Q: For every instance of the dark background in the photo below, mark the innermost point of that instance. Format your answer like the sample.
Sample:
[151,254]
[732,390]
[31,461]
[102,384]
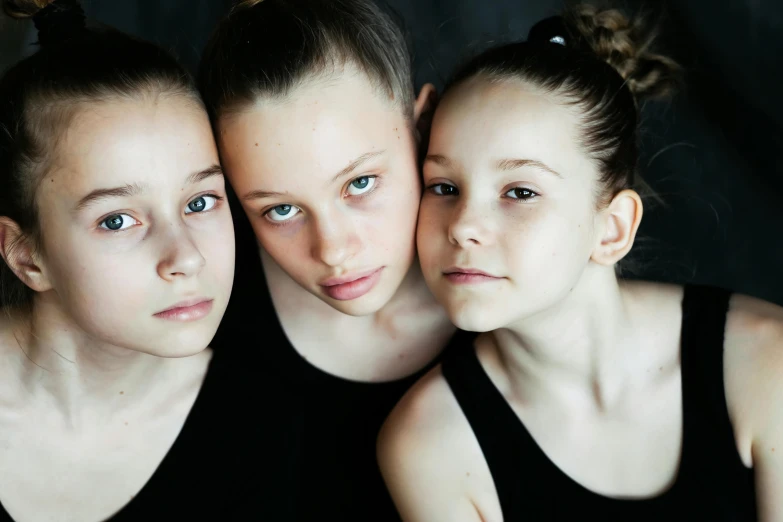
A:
[712,155]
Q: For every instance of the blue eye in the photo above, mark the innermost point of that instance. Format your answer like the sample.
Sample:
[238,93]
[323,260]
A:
[118,222]
[444,189]
[282,212]
[201,204]
[361,185]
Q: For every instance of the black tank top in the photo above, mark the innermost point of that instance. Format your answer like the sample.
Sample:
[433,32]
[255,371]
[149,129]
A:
[712,483]
[328,469]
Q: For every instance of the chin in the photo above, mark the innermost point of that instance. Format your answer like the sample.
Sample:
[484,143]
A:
[185,343]
[472,317]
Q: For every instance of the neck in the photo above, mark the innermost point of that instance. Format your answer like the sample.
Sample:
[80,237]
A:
[406,334]
[79,376]
[584,344]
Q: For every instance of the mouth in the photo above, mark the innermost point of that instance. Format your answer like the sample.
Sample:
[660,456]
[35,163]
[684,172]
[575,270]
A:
[352,286]
[188,310]
[467,276]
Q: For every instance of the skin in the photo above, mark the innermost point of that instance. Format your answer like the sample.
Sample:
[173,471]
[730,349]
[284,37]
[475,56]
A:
[95,387]
[589,365]
[329,179]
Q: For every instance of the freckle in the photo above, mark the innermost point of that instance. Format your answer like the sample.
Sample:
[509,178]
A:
[467,474]
[126,423]
[257,144]
[773,450]
[122,393]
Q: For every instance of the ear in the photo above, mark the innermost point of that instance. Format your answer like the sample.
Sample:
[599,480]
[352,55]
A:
[621,220]
[19,254]
[423,110]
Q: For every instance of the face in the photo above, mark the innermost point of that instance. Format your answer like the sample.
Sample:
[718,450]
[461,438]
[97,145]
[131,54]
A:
[329,180]
[137,238]
[508,219]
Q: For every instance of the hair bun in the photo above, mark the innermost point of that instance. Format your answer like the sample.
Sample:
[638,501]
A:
[624,44]
[56,21]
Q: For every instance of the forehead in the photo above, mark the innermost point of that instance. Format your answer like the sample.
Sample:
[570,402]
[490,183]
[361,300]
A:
[151,141]
[505,119]
[319,127]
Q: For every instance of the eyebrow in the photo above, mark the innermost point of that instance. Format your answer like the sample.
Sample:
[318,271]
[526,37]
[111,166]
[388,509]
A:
[503,165]
[358,162]
[134,189]
[214,170]
[352,166]
[443,161]
[124,191]
[513,164]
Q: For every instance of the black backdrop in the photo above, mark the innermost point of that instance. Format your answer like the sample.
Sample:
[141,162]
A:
[713,155]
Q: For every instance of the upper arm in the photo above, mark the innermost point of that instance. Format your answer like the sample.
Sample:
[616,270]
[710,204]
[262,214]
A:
[754,346]
[419,457]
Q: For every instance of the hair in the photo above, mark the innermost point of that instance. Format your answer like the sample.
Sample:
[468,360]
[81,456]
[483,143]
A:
[74,67]
[268,48]
[604,69]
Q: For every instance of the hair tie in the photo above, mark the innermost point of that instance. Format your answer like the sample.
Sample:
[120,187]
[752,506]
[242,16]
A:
[59,21]
[550,30]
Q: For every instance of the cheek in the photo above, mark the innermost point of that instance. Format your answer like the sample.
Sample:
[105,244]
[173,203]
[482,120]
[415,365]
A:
[431,231]
[215,241]
[101,283]
[553,244]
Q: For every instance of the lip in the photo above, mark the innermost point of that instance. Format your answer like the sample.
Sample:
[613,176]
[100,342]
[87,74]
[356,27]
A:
[351,286]
[188,310]
[463,276]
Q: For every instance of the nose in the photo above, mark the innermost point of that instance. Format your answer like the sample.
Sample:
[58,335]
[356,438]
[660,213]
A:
[468,226]
[181,257]
[337,239]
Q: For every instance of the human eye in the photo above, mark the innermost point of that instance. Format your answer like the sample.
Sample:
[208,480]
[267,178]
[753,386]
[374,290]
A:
[282,213]
[361,185]
[521,194]
[443,189]
[116,222]
[202,203]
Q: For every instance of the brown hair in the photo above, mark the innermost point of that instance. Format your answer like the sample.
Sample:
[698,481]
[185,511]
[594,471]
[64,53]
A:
[599,61]
[75,66]
[266,48]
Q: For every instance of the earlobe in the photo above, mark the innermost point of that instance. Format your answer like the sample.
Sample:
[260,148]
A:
[423,111]
[19,254]
[621,222]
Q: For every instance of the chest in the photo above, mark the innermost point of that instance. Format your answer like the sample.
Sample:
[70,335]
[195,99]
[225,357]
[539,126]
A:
[50,471]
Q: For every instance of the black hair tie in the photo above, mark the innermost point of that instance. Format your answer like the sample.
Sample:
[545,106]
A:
[59,21]
[550,30]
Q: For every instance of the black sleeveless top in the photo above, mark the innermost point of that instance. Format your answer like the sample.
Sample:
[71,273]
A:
[210,473]
[328,468]
[712,483]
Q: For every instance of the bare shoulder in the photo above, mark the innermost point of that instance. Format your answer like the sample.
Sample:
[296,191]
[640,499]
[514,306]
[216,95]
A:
[754,366]
[754,336]
[429,457]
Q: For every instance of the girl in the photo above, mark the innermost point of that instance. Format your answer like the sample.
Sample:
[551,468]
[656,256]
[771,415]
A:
[119,257]
[314,108]
[585,397]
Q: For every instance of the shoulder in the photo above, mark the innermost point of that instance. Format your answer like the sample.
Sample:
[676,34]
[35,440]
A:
[428,454]
[754,366]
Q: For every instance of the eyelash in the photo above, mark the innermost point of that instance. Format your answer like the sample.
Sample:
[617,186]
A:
[534,194]
[375,177]
[218,200]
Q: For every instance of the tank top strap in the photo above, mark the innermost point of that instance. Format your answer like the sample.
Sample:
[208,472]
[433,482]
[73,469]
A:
[513,457]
